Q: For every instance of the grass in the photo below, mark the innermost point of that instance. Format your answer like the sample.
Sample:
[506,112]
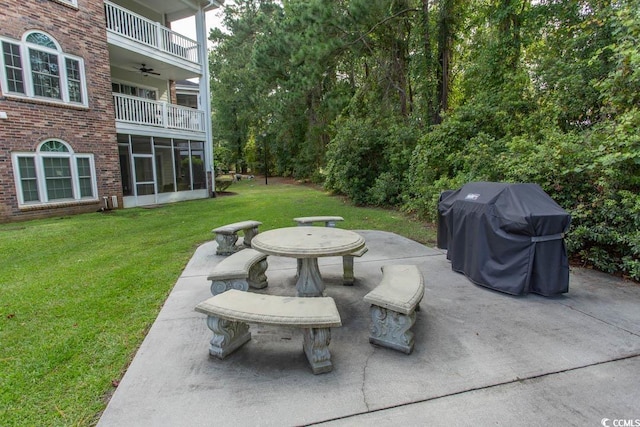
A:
[78,294]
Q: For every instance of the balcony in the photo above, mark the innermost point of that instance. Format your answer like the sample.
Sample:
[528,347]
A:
[145,112]
[136,39]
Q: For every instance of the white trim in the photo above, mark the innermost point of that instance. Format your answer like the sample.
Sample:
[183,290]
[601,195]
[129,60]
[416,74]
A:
[205,93]
[162,198]
[151,158]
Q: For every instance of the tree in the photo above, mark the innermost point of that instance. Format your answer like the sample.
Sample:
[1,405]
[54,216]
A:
[233,83]
[392,102]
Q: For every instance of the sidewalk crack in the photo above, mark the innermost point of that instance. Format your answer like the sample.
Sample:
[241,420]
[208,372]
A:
[472,389]
[364,380]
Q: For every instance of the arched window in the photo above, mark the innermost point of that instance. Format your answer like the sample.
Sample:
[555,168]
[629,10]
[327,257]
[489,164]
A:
[53,174]
[36,67]
[73,3]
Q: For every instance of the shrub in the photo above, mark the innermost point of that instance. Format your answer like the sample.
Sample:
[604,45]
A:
[594,174]
[368,160]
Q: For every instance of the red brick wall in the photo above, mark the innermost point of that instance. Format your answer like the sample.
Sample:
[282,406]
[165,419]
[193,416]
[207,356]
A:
[79,32]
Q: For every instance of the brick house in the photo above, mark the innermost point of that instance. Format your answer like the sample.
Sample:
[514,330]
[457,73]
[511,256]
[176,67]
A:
[89,115]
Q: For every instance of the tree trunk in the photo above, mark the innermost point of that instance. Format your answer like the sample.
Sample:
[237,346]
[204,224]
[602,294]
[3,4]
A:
[432,110]
[445,42]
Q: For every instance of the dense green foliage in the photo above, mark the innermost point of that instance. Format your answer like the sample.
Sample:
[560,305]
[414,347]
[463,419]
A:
[391,102]
[78,294]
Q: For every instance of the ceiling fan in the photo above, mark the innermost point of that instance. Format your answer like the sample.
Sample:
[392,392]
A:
[146,71]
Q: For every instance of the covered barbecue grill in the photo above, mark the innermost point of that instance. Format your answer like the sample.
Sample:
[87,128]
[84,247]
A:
[507,237]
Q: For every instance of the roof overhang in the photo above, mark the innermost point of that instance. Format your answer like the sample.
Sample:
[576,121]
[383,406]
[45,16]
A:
[181,9]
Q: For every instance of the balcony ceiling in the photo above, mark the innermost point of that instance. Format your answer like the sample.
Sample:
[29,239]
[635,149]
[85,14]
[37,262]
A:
[179,9]
[131,60]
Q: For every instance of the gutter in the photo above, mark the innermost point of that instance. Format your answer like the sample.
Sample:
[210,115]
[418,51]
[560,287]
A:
[213,4]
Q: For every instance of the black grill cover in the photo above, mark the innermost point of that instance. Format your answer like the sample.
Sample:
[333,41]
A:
[507,237]
[442,226]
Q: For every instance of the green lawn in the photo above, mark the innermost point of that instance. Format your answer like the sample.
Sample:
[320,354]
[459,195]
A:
[78,294]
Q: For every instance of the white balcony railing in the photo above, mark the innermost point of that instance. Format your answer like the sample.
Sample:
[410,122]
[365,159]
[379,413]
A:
[135,27]
[146,112]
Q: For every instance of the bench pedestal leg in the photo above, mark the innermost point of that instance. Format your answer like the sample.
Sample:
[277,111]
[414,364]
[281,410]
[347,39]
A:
[391,329]
[316,347]
[257,277]
[249,233]
[348,276]
[220,286]
[226,244]
[228,336]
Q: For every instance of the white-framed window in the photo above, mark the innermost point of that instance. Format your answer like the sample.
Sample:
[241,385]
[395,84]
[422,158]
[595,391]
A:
[36,67]
[54,174]
[134,90]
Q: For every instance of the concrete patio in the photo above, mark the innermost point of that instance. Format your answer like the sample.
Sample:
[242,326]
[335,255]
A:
[480,358]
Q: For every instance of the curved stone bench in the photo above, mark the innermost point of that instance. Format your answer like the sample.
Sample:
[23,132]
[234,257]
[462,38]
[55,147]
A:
[239,271]
[329,221]
[348,276]
[393,305]
[229,313]
[227,236]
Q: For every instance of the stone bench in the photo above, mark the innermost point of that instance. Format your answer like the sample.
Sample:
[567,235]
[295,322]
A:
[227,236]
[229,313]
[393,305]
[347,260]
[239,271]
[329,221]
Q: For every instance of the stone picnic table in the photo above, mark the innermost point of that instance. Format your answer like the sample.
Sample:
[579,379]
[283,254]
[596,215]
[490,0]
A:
[308,244]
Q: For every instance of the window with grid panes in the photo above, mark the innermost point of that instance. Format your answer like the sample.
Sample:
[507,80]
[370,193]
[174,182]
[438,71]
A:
[36,67]
[54,173]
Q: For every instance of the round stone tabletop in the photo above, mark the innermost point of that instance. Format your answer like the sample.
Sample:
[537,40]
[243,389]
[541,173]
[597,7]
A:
[307,242]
